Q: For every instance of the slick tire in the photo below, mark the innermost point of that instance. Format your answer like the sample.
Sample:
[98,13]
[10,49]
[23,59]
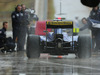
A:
[33,47]
[84,49]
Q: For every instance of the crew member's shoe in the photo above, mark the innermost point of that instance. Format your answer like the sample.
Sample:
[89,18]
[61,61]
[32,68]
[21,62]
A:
[4,51]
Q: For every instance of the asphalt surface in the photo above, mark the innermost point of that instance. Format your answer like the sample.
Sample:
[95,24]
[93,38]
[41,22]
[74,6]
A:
[17,63]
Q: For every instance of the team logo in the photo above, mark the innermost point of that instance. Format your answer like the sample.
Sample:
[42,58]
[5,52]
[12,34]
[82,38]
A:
[21,14]
[13,16]
[17,14]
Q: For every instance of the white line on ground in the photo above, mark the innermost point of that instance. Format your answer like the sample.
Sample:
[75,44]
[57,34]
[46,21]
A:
[74,66]
[22,74]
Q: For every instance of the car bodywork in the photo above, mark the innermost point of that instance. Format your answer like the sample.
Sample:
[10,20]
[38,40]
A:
[59,43]
[57,38]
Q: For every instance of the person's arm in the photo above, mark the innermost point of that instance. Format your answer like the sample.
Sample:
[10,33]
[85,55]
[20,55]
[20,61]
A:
[14,18]
[25,19]
[2,36]
[83,28]
[91,15]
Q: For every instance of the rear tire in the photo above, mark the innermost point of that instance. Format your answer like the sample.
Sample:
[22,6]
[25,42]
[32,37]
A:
[84,43]
[33,46]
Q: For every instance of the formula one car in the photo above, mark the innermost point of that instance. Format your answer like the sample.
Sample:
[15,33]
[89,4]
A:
[58,41]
